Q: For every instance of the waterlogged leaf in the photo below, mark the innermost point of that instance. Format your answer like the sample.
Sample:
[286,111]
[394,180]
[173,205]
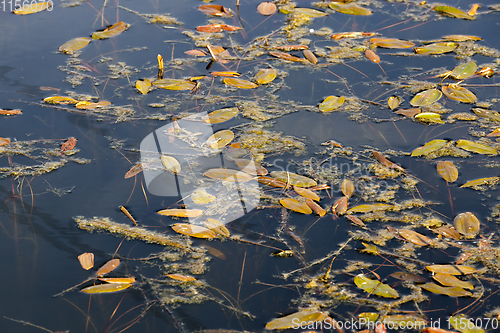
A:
[239,83]
[394,101]
[112,31]
[133,171]
[340,206]
[74,45]
[171,164]
[285,56]
[349,8]
[410,113]
[391,43]
[222,115]
[271,182]
[34,7]
[458,93]
[217,227]
[215,10]
[211,28]
[108,267]
[305,317]
[415,237]
[198,53]
[436,48]
[347,188]
[315,207]
[180,277]
[68,144]
[448,231]
[370,248]
[426,97]
[408,277]
[143,86]
[369,208]
[489,114]
[453,12]
[464,325]
[266,75]
[60,100]
[195,231]
[467,224]
[385,162]
[475,147]
[304,192]
[251,167]
[296,206]
[429,117]
[266,8]
[356,220]
[429,147]
[118,280]
[229,175]
[375,287]
[179,212]
[309,12]
[463,71]
[293,178]
[461,38]
[174,84]
[452,281]
[86,260]
[449,291]
[447,170]
[451,269]
[106,288]
[482,181]
[310,56]
[220,139]
[331,103]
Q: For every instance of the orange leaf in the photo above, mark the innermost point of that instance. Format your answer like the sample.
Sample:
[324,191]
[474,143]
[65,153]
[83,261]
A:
[86,260]
[180,277]
[133,171]
[68,144]
[266,8]
[10,112]
[118,280]
[108,267]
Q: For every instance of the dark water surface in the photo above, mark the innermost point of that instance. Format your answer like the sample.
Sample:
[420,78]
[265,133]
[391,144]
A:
[39,241]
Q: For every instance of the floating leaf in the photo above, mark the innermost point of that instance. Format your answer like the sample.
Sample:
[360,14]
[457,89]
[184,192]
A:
[285,56]
[310,56]
[372,56]
[266,8]
[356,220]
[461,38]
[215,10]
[454,12]
[195,231]
[106,288]
[473,9]
[426,97]
[198,53]
[68,144]
[452,269]
[404,276]
[10,112]
[181,212]
[271,182]
[475,147]
[465,325]
[133,171]
[220,139]
[222,115]
[410,113]
[450,291]
[305,317]
[112,31]
[463,71]
[118,280]
[293,179]
[180,277]
[31,8]
[429,147]
[452,281]
[291,47]
[226,74]
[447,170]
[340,206]
[486,72]
[349,8]
[481,181]
[429,117]
[266,75]
[304,192]
[393,102]
[174,84]
[436,48]
[347,188]
[85,105]
[86,260]
[315,207]
[239,83]
[60,100]
[229,175]
[250,166]
[369,208]
[217,227]
[171,164]
[467,224]
[385,162]
[370,248]
[296,206]
[143,86]
[108,267]
[403,321]
[375,287]
[4,141]
[331,103]
[415,237]
[201,197]
[309,12]
[458,93]
[448,231]
[74,45]
[211,28]
[489,114]
[391,43]
[283,254]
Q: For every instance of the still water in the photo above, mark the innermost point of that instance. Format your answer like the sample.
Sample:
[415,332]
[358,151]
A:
[243,285]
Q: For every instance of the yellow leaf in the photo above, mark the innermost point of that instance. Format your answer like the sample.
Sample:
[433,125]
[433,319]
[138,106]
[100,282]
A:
[452,281]
[392,43]
[429,117]
[450,291]
[194,230]
[475,147]
[229,175]
[180,277]
[293,178]
[60,100]
[375,287]
[201,197]
[217,227]
[181,212]
[415,237]
[458,93]
[429,147]
[331,103]
[266,75]
[303,192]
[220,116]
[436,48]
[481,181]
[467,224]
[239,83]
[143,86]
[220,139]
[86,260]
[31,8]
[296,206]
[112,31]
[452,269]
[305,317]
[118,280]
[426,97]
[75,44]
[106,288]
[447,170]
[369,208]
[394,102]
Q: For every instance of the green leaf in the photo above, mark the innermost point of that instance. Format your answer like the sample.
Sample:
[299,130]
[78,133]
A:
[463,71]
[426,97]
[436,48]
[375,287]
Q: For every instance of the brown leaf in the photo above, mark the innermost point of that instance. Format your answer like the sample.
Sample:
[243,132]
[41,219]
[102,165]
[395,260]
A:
[315,207]
[86,260]
[68,144]
[372,56]
[108,267]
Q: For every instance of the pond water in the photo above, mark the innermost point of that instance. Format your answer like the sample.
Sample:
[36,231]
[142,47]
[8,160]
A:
[241,287]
